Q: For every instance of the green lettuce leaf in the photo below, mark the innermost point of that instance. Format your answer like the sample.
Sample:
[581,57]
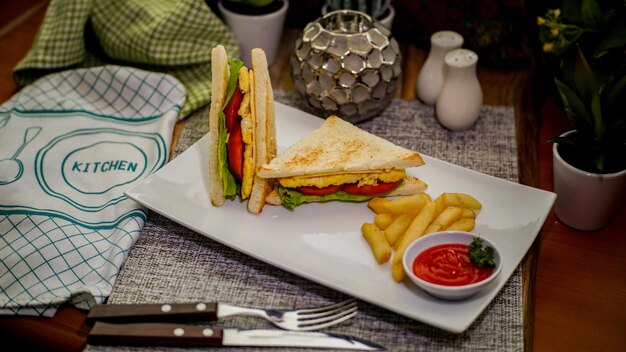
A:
[231,187]
[235,65]
[291,198]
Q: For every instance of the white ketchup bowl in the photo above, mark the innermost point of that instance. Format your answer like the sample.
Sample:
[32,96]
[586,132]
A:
[448,237]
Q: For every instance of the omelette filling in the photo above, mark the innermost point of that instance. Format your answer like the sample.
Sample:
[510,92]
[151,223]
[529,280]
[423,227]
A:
[291,198]
[247,128]
[361,179]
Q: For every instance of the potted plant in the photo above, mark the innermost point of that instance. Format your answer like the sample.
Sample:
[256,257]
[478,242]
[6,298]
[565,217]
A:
[252,7]
[379,10]
[587,42]
[256,24]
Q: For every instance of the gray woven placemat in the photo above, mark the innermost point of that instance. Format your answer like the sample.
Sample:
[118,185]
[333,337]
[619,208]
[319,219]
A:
[170,263]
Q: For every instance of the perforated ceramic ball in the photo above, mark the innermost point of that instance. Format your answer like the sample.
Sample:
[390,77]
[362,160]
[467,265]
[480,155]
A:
[347,65]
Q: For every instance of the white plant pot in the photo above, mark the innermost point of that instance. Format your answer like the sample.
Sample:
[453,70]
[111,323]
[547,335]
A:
[256,31]
[387,21]
[585,200]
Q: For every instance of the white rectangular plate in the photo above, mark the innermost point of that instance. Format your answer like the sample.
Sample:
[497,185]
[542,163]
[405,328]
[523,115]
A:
[323,243]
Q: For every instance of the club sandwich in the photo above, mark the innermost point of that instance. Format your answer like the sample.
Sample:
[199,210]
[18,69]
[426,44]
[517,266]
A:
[340,162]
[242,129]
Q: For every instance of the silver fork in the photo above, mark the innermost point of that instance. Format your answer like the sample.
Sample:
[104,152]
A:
[294,319]
[298,319]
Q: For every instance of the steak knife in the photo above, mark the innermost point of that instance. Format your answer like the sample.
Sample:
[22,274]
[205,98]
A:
[135,313]
[182,335]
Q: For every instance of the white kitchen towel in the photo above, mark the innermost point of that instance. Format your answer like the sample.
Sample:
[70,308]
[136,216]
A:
[70,144]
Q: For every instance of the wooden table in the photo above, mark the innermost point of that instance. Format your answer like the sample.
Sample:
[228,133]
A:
[574,282]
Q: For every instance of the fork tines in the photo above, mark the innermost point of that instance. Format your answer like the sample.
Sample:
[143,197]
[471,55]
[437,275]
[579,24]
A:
[319,318]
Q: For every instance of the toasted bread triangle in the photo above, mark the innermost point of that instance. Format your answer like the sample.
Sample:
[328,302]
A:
[219,70]
[265,128]
[339,147]
[264,138]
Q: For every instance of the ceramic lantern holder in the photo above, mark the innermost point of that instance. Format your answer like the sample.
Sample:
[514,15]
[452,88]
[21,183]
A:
[346,64]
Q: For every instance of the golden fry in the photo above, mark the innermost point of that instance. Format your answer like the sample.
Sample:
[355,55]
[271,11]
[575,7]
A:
[378,243]
[398,205]
[446,218]
[398,227]
[433,227]
[468,214]
[415,230]
[379,205]
[397,271]
[426,197]
[419,224]
[461,200]
[384,220]
[464,224]
[441,205]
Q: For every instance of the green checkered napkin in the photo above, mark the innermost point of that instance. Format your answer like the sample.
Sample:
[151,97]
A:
[169,36]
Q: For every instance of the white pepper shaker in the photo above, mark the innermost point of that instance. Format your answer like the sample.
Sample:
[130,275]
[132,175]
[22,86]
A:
[461,98]
[431,77]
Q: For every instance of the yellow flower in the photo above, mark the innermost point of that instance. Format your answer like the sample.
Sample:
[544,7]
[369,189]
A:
[548,47]
[554,32]
[541,21]
[554,12]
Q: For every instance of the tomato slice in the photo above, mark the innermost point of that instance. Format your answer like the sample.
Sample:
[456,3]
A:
[317,191]
[230,111]
[380,188]
[235,148]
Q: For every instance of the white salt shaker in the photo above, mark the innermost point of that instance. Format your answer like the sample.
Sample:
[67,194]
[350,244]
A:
[461,98]
[432,75]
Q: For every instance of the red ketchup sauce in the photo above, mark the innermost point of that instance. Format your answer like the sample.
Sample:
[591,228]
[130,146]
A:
[449,265]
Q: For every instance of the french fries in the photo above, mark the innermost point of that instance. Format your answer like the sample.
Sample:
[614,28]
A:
[461,200]
[374,237]
[446,218]
[384,220]
[397,228]
[399,205]
[462,225]
[414,231]
[400,221]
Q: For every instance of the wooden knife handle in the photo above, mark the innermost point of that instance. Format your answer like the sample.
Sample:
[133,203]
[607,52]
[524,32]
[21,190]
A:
[154,334]
[133,313]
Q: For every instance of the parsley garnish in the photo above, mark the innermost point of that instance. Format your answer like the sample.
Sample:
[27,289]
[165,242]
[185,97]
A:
[479,255]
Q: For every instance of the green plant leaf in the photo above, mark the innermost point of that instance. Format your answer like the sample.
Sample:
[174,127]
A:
[585,80]
[615,39]
[562,140]
[574,106]
[596,112]
[588,87]
[591,14]
[614,96]
[598,159]
[571,11]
